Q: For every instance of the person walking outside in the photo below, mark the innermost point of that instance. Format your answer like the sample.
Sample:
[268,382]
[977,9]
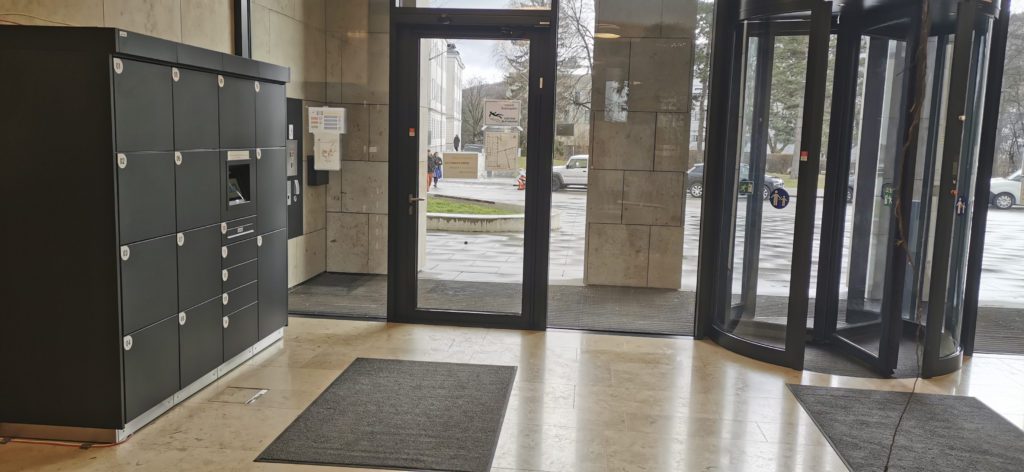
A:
[438,168]
[430,169]
[456,142]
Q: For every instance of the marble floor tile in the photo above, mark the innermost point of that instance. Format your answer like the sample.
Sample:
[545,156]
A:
[581,402]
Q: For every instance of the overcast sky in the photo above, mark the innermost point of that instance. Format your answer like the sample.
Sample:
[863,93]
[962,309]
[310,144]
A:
[481,59]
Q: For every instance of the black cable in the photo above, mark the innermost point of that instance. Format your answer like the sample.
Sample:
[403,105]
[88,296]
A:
[921,60]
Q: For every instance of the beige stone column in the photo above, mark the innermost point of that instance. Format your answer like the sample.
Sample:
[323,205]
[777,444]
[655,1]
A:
[640,142]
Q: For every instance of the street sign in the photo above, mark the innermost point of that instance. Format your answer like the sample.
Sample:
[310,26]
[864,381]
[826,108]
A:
[779,198]
[502,112]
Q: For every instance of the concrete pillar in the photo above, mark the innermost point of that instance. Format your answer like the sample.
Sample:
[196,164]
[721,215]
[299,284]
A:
[640,142]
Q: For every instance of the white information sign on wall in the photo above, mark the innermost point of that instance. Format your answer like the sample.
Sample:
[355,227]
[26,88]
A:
[502,112]
[327,125]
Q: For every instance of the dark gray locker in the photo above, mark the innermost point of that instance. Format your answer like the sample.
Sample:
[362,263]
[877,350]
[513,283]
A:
[271,116]
[241,330]
[199,271]
[237,253]
[150,366]
[149,282]
[272,185]
[239,275]
[273,281]
[197,188]
[196,124]
[201,340]
[142,105]
[145,190]
[237,113]
[240,297]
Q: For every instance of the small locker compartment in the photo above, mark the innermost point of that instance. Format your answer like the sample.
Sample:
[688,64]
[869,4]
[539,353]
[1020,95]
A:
[237,253]
[239,275]
[272,184]
[145,191]
[197,188]
[238,230]
[201,340]
[149,282]
[239,192]
[196,121]
[240,330]
[199,270]
[242,296]
[237,114]
[142,106]
[273,281]
[271,115]
[150,366]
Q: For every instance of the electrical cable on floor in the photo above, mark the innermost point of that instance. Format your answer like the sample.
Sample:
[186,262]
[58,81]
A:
[85,445]
[921,70]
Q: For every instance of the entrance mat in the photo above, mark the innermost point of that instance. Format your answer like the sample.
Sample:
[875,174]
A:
[391,414]
[938,432]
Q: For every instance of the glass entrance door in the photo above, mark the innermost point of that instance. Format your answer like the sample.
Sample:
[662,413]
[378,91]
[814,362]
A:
[472,132]
[771,187]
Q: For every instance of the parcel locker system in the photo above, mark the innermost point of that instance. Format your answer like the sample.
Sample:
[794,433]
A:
[152,258]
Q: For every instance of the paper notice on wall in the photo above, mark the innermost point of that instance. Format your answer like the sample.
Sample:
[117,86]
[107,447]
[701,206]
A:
[326,120]
[327,151]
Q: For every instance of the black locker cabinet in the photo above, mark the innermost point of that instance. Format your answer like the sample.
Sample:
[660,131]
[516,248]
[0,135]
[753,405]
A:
[237,112]
[197,188]
[143,106]
[272,187]
[273,274]
[151,215]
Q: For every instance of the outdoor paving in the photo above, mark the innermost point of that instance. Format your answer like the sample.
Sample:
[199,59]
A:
[494,257]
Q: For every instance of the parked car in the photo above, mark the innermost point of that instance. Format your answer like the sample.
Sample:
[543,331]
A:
[1005,192]
[574,172]
[695,181]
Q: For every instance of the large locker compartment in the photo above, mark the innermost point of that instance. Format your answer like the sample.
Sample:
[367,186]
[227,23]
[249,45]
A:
[154,185]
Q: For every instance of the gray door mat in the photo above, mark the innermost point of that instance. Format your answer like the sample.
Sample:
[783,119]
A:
[938,432]
[392,414]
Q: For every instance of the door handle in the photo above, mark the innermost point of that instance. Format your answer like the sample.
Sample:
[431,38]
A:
[413,199]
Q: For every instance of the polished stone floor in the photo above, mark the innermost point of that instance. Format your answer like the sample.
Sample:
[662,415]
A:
[581,402]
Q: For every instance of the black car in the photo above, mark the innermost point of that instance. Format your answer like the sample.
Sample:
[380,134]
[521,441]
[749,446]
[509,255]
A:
[695,181]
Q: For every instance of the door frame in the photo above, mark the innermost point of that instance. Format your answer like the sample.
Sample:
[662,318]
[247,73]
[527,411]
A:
[408,26]
[714,286]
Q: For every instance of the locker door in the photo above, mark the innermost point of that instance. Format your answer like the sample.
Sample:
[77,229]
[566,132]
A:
[196,124]
[271,117]
[150,366]
[201,340]
[273,281]
[272,187]
[199,271]
[142,106]
[149,282]
[237,113]
[197,188]
[145,195]
[240,330]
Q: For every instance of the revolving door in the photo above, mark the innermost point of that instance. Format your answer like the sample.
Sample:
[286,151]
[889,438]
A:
[861,124]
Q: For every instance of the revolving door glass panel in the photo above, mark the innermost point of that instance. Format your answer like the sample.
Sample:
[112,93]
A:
[777,142]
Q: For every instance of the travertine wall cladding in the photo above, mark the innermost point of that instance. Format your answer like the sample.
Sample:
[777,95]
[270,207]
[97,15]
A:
[338,52]
[639,150]
[204,23]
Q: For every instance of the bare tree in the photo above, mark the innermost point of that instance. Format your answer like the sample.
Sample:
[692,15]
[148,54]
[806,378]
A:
[473,111]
